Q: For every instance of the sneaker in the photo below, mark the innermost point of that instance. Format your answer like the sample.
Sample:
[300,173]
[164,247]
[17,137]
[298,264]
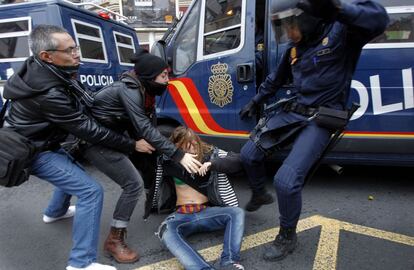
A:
[234,266]
[92,266]
[70,213]
[258,200]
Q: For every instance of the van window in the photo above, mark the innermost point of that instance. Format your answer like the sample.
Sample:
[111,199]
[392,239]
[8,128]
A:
[90,39]
[399,33]
[186,48]
[14,45]
[125,48]
[400,29]
[222,25]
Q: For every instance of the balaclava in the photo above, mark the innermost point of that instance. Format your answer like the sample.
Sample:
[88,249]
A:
[310,27]
[147,67]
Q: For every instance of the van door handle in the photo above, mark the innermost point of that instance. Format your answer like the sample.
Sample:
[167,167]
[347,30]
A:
[245,73]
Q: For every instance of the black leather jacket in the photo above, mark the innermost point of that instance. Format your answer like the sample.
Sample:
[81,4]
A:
[45,110]
[120,107]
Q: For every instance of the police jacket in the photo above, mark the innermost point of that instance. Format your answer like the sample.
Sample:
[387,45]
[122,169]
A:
[45,109]
[214,185]
[120,106]
[322,68]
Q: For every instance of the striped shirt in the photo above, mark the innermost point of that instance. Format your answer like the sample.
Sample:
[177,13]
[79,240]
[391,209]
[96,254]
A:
[225,189]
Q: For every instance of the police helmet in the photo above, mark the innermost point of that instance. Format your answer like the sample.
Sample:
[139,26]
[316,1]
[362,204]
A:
[285,14]
[282,9]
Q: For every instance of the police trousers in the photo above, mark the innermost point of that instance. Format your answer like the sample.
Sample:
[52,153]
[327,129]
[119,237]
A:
[289,179]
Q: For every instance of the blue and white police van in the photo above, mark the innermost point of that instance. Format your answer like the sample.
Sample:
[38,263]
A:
[105,44]
[211,51]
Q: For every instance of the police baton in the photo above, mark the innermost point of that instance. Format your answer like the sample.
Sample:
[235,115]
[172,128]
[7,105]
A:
[332,142]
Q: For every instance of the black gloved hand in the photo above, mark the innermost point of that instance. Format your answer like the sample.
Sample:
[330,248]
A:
[248,110]
[324,9]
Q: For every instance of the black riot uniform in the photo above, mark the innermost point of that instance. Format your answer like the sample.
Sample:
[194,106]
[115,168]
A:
[321,63]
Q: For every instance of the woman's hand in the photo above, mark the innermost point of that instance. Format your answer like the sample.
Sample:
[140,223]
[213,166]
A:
[190,163]
[204,168]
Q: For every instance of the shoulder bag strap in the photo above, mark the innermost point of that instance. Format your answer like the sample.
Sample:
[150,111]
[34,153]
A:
[3,112]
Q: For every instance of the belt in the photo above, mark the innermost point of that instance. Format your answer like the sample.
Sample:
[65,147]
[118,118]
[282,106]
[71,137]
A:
[300,109]
[190,208]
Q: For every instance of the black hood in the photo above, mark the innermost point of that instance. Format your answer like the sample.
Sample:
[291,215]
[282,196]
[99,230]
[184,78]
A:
[30,80]
[131,80]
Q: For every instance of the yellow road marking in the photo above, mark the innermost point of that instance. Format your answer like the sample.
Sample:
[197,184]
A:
[327,248]
[326,254]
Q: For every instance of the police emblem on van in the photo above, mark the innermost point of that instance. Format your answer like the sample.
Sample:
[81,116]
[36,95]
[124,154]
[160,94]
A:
[220,86]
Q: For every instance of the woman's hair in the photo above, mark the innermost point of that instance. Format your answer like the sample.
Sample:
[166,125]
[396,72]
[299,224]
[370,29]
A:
[182,136]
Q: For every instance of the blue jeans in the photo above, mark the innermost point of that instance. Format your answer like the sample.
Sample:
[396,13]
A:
[120,169]
[290,177]
[177,226]
[59,169]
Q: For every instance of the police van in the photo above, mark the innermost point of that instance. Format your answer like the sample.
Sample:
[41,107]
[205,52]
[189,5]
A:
[212,53]
[106,45]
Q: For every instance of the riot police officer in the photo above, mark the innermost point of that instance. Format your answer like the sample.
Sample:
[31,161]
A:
[324,40]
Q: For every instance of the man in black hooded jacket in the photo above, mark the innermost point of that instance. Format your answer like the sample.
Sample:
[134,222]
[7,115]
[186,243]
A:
[45,107]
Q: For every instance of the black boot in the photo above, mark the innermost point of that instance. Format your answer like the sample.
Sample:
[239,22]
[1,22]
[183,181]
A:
[259,199]
[284,244]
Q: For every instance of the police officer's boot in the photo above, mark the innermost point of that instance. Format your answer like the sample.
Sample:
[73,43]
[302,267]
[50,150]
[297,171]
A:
[284,244]
[116,247]
[259,199]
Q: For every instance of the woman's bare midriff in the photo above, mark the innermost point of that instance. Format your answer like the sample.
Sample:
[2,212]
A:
[188,195]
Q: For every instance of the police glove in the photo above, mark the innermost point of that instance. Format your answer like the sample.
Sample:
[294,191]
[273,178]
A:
[324,9]
[248,110]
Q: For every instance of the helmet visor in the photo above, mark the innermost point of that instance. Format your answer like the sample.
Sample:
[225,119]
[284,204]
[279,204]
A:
[282,27]
[283,22]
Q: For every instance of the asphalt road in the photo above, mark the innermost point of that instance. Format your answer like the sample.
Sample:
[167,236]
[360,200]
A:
[361,219]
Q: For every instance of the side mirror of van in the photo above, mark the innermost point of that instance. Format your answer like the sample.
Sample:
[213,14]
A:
[158,49]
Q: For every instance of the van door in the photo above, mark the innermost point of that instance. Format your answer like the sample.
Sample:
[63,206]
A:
[214,68]
[105,47]
[87,31]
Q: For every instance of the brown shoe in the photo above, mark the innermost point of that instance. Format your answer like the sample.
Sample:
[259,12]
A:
[116,247]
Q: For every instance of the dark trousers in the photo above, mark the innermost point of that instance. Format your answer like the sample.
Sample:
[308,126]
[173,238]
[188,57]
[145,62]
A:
[120,169]
[147,165]
[289,179]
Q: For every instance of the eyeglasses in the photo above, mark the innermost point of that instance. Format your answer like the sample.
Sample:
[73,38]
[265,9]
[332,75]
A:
[70,50]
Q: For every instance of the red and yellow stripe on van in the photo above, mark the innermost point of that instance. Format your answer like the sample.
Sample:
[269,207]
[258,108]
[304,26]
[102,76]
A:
[194,111]
[196,115]
[383,135]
